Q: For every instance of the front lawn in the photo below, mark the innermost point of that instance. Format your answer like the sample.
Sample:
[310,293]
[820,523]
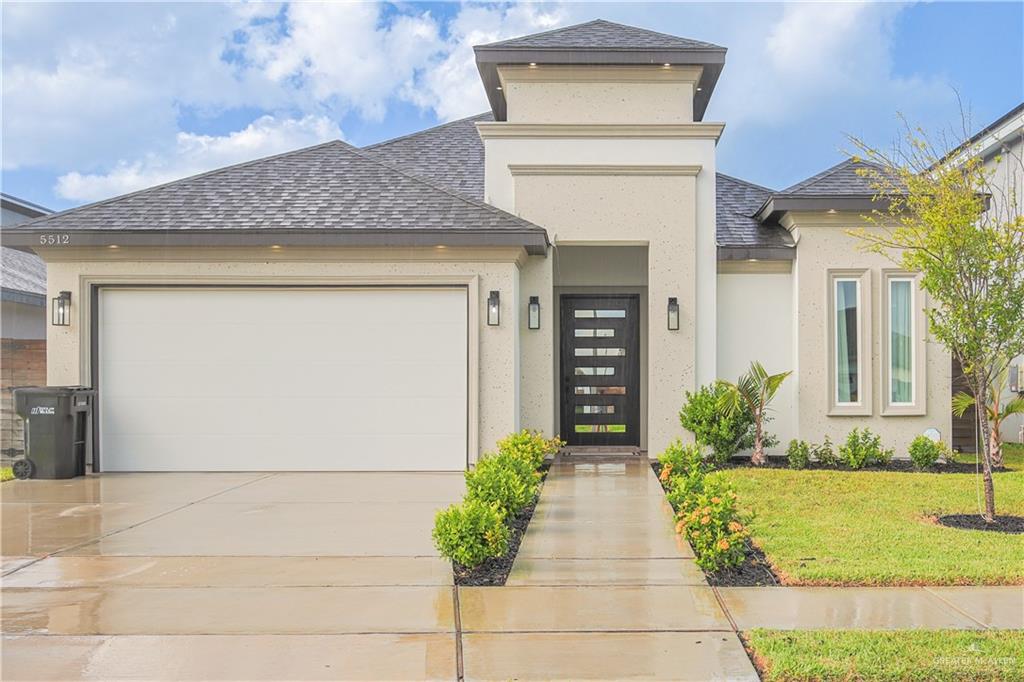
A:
[872,527]
[797,656]
[1013,456]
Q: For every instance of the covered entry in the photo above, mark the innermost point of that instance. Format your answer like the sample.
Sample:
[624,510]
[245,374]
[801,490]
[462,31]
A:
[263,379]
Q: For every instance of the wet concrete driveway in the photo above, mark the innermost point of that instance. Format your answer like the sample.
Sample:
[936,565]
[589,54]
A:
[227,576]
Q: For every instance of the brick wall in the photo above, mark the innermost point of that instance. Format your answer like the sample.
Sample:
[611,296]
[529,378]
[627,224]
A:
[22,363]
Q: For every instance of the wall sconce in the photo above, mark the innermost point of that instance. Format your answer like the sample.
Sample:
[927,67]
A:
[533,313]
[673,314]
[61,311]
[493,309]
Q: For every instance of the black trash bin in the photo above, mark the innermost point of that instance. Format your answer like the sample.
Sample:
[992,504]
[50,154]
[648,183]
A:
[57,430]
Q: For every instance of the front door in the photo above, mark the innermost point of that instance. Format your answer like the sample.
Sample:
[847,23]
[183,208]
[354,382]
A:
[601,369]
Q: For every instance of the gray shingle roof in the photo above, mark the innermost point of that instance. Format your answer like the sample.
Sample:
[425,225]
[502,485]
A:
[736,202]
[452,155]
[332,186]
[602,35]
[22,272]
[840,179]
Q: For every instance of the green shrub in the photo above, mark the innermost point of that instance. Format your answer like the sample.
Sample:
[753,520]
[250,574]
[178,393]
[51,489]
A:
[470,533]
[824,453]
[503,480]
[712,524]
[683,488]
[725,435]
[531,446]
[679,459]
[924,452]
[863,448]
[799,454]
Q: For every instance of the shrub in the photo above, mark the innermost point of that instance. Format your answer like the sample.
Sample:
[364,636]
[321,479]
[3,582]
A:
[862,448]
[679,459]
[531,446]
[713,526]
[924,452]
[470,533]
[725,435]
[503,480]
[824,453]
[799,454]
[683,488]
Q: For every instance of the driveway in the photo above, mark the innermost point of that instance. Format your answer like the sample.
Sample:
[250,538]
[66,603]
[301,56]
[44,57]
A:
[227,576]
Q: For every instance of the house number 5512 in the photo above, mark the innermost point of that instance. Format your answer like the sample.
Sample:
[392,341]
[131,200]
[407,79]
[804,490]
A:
[54,239]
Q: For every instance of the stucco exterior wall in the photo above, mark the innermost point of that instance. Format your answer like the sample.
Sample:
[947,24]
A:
[755,322]
[590,94]
[824,244]
[538,402]
[492,349]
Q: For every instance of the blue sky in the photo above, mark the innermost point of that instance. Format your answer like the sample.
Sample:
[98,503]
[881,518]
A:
[102,99]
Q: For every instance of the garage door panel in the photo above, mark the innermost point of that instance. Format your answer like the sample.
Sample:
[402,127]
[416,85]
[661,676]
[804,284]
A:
[227,379]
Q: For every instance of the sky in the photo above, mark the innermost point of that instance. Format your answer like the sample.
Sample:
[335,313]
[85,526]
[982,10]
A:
[103,99]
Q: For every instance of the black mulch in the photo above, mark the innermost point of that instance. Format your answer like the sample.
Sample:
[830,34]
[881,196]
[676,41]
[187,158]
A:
[755,571]
[1001,524]
[495,571]
[898,465]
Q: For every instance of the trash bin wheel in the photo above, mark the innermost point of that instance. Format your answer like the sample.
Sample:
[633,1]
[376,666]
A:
[23,468]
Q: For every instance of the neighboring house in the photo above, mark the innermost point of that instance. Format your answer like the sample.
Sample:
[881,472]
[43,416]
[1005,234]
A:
[1001,145]
[22,322]
[570,261]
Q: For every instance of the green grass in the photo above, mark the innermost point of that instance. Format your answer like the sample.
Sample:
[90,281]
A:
[6,474]
[1013,456]
[941,655]
[874,528]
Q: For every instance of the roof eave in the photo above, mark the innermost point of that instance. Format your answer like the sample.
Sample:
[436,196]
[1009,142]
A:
[757,253]
[534,241]
[712,59]
[778,204]
[24,297]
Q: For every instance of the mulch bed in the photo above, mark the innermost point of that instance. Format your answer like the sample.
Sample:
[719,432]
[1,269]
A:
[897,465]
[1002,524]
[494,572]
[755,571]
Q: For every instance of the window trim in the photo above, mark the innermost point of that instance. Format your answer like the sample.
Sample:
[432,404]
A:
[918,325]
[865,350]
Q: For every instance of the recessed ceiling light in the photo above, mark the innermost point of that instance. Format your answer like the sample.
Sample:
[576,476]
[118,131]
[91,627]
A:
[831,211]
[498,88]
[275,246]
[700,89]
[666,65]
[114,246]
[532,64]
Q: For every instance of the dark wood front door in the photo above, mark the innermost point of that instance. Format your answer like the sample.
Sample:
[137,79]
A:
[600,370]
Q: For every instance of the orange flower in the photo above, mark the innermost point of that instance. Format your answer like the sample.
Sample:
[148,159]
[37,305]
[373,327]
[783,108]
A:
[665,473]
[695,534]
[705,520]
[723,544]
[716,500]
[707,510]
[735,526]
[680,526]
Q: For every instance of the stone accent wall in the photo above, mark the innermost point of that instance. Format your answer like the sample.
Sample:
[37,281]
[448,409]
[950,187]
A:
[22,363]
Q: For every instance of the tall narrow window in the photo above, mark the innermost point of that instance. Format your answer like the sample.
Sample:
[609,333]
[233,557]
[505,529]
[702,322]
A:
[847,310]
[901,341]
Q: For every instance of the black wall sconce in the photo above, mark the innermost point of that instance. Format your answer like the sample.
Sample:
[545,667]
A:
[673,314]
[61,312]
[493,309]
[533,313]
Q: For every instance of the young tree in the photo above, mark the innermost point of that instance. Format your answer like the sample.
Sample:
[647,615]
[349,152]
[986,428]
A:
[959,223]
[756,389]
[996,411]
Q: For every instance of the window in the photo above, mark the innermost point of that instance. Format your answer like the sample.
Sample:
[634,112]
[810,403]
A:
[901,341]
[847,334]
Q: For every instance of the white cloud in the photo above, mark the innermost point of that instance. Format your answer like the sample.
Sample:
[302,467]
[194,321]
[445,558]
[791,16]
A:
[451,86]
[198,153]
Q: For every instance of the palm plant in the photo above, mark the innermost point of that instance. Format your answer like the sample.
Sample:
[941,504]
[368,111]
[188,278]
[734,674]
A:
[995,412]
[754,391]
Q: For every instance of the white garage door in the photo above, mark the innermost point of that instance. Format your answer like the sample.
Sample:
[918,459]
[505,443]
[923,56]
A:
[226,379]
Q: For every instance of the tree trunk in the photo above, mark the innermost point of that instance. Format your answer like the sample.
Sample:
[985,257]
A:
[996,447]
[758,458]
[986,457]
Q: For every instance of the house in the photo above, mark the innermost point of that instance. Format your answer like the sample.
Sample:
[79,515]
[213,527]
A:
[22,322]
[1001,146]
[570,261]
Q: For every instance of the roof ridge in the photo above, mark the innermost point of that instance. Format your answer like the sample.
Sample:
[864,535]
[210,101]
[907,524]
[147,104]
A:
[818,177]
[472,202]
[542,33]
[745,182]
[171,183]
[599,21]
[425,130]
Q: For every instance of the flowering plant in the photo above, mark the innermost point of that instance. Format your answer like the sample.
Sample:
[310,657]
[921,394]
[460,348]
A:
[712,524]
